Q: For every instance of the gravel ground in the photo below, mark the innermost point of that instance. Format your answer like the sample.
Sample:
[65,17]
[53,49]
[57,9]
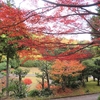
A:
[85,97]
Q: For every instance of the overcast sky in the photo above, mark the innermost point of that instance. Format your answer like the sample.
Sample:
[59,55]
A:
[28,5]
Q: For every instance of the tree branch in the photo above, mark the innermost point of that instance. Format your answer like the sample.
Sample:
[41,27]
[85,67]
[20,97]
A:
[72,5]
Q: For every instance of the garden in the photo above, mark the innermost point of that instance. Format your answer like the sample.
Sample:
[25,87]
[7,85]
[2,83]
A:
[49,49]
[30,83]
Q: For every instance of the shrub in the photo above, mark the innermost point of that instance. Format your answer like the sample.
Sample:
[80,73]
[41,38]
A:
[98,98]
[30,63]
[46,92]
[75,85]
[27,81]
[34,93]
[17,89]
[3,66]
[14,63]
[16,86]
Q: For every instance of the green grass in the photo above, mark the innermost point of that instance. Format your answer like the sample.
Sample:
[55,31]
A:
[92,87]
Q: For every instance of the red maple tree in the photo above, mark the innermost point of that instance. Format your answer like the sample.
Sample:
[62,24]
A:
[66,67]
[67,18]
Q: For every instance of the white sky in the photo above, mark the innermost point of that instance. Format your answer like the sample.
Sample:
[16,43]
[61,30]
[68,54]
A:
[79,37]
[27,5]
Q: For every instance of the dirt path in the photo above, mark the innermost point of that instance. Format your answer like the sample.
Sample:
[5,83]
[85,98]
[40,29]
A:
[85,97]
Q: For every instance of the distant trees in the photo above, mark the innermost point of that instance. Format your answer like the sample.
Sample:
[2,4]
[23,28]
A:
[92,68]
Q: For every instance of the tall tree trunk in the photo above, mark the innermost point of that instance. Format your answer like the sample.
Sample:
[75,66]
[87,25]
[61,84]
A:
[87,79]
[47,76]
[20,84]
[98,81]
[69,81]
[20,78]
[7,75]
[63,83]
[93,78]
[43,80]
[83,82]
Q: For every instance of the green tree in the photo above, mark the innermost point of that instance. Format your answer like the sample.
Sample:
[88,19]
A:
[8,50]
[92,68]
[17,86]
[88,71]
[10,37]
[96,72]
[44,66]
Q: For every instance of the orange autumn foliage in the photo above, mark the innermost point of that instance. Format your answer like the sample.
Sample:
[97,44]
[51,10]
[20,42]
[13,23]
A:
[27,81]
[39,86]
[66,68]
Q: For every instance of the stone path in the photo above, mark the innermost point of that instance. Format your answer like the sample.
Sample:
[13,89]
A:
[85,97]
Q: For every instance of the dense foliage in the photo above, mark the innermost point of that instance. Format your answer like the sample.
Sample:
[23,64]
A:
[35,35]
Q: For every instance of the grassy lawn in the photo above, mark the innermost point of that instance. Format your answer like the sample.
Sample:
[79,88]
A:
[92,87]
[31,76]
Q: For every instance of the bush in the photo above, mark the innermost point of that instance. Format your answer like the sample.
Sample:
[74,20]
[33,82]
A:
[30,63]
[75,85]
[14,63]
[98,98]
[3,66]
[17,89]
[34,93]
[46,92]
